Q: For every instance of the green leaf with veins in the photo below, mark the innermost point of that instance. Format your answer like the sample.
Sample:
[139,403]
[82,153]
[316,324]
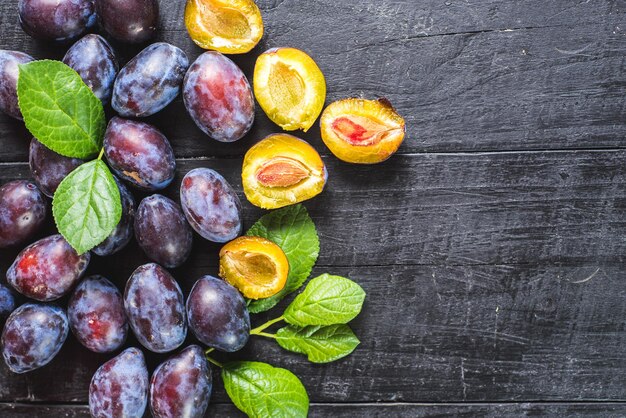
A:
[326,300]
[87,206]
[293,230]
[59,109]
[319,344]
[261,390]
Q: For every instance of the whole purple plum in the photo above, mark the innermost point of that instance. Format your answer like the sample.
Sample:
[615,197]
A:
[218,315]
[218,97]
[155,308]
[96,315]
[9,72]
[47,269]
[7,302]
[181,386]
[162,231]
[150,81]
[58,20]
[139,154]
[49,168]
[211,205]
[32,336]
[123,232]
[132,21]
[119,388]
[93,58]
[23,210]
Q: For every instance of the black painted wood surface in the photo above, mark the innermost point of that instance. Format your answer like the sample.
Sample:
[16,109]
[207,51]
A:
[491,247]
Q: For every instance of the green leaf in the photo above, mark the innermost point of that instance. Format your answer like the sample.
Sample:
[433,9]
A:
[320,344]
[293,230]
[261,390]
[326,300]
[59,109]
[87,206]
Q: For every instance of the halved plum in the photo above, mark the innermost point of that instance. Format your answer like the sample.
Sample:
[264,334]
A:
[290,88]
[230,27]
[362,131]
[254,265]
[282,170]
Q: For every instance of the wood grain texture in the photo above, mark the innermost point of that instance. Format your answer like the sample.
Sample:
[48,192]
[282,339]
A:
[486,76]
[455,209]
[577,410]
[430,334]
[487,276]
[491,248]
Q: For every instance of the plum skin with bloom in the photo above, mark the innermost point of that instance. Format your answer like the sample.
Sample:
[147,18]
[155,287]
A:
[47,269]
[162,231]
[132,21]
[119,388]
[150,81]
[32,336]
[23,210]
[7,302]
[139,154]
[49,168]
[123,232]
[93,58]
[96,314]
[211,205]
[155,308]
[59,20]
[181,386]
[9,72]
[218,315]
[218,97]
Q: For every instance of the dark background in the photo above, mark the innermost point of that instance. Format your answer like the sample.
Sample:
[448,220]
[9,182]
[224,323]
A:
[492,246]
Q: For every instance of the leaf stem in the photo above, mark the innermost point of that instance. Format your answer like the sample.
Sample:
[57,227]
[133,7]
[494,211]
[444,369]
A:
[265,334]
[209,351]
[213,361]
[268,324]
[101,153]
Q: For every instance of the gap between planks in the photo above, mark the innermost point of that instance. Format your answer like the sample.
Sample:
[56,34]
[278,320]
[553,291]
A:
[379,404]
[412,154]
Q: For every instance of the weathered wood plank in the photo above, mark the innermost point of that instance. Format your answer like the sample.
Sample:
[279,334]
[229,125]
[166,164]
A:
[454,209]
[573,410]
[557,82]
[490,277]
[429,334]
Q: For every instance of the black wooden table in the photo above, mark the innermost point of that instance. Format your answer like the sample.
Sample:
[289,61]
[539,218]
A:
[492,246]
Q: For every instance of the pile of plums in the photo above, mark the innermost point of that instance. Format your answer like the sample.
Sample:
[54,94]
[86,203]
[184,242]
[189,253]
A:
[219,99]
